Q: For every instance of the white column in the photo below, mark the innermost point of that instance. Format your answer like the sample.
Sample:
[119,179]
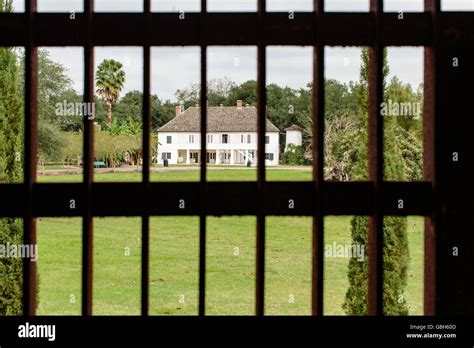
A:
[186,159]
[218,159]
[232,153]
[246,156]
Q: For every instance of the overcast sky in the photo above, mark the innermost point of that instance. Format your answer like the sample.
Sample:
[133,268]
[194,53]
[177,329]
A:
[178,67]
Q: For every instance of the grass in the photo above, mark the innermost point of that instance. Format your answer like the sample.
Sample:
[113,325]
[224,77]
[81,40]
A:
[192,175]
[174,261]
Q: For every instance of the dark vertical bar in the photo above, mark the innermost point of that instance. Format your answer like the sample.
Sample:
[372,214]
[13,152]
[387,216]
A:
[31,143]
[318,167]
[261,128]
[88,151]
[430,124]
[202,216]
[146,167]
[376,90]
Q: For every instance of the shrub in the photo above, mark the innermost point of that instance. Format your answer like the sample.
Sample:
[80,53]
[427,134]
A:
[295,156]
[395,243]
[11,128]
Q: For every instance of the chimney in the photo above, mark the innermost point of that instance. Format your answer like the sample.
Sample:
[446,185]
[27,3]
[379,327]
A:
[178,110]
[239,104]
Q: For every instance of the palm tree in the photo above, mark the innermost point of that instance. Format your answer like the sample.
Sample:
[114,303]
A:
[109,80]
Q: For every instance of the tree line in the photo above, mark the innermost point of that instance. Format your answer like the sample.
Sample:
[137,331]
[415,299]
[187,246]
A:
[115,115]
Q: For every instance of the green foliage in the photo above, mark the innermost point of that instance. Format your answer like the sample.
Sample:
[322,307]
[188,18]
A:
[295,156]
[161,112]
[70,123]
[11,269]
[341,133]
[53,86]
[72,151]
[245,92]
[130,127]
[395,242]
[11,129]
[109,80]
[396,259]
[410,147]
[130,107]
[11,120]
[50,142]
[407,131]
[113,147]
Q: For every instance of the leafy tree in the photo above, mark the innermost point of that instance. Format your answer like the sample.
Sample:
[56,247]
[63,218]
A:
[51,142]
[409,130]
[245,92]
[161,112]
[341,133]
[110,79]
[339,99]
[129,107]
[69,123]
[283,108]
[72,151]
[189,96]
[53,86]
[218,92]
[11,129]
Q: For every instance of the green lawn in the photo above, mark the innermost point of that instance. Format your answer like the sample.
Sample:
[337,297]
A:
[174,261]
[192,175]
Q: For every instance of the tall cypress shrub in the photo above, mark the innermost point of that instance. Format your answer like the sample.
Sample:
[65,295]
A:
[395,244]
[11,130]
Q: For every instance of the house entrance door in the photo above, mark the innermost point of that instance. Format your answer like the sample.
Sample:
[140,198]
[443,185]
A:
[211,157]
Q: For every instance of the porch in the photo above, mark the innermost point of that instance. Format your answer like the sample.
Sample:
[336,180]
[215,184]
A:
[237,157]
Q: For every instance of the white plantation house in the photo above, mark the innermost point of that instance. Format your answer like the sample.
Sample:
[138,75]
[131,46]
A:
[231,136]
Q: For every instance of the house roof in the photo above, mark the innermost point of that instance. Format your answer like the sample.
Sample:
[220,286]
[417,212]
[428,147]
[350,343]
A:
[294,127]
[219,119]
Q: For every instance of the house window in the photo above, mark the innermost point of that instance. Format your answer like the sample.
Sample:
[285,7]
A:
[168,139]
[267,139]
[166,155]
[209,138]
[249,138]
[191,138]
[241,138]
[269,156]
[225,138]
